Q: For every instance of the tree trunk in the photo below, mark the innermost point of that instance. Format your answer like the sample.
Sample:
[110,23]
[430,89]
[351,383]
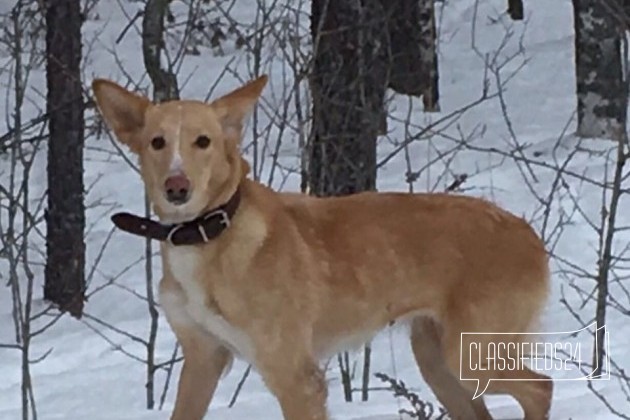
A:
[601,90]
[413,47]
[348,86]
[164,80]
[515,9]
[65,216]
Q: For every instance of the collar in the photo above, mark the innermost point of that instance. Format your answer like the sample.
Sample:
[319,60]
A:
[200,230]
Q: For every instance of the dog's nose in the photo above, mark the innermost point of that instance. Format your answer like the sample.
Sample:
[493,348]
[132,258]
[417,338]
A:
[177,189]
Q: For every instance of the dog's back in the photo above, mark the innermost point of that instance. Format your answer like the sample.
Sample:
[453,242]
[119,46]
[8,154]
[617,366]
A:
[461,260]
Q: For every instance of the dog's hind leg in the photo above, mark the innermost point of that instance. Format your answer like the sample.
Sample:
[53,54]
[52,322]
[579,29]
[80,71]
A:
[532,390]
[426,343]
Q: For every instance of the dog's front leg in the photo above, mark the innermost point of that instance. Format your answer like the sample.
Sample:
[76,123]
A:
[203,365]
[204,357]
[299,385]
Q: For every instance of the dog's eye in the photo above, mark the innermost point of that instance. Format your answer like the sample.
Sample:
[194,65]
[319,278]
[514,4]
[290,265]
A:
[202,142]
[158,143]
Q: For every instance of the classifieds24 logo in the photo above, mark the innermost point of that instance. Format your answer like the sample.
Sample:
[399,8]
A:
[559,356]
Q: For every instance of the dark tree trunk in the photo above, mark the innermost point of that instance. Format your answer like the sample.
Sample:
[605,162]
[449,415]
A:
[348,86]
[65,216]
[515,9]
[413,48]
[164,80]
[620,11]
[601,89]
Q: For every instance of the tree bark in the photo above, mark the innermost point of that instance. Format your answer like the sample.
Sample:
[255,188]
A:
[412,41]
[164,80]
[601,88]
[515,9]
[65,216]
[348,85]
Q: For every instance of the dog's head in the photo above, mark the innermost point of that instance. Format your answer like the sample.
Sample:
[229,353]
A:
[188,150]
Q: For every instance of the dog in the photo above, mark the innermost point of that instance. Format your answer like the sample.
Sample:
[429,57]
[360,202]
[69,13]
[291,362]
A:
[284,280]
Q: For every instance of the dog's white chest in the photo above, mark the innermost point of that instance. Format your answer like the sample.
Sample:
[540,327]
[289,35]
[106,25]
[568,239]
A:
[185,265]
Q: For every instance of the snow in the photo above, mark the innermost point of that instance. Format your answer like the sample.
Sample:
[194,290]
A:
[85,376]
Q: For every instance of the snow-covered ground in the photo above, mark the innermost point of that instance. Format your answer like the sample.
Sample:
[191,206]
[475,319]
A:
[86,376]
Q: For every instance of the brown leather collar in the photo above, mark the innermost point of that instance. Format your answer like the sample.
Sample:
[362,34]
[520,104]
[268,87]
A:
[200,230]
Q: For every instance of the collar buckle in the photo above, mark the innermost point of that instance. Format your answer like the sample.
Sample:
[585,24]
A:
[171,232]
[224,217]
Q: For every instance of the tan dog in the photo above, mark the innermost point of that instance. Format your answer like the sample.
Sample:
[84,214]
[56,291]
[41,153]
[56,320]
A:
[284,280]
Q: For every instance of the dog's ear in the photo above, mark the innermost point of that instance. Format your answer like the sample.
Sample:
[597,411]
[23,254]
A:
[234,108]
[122,110]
